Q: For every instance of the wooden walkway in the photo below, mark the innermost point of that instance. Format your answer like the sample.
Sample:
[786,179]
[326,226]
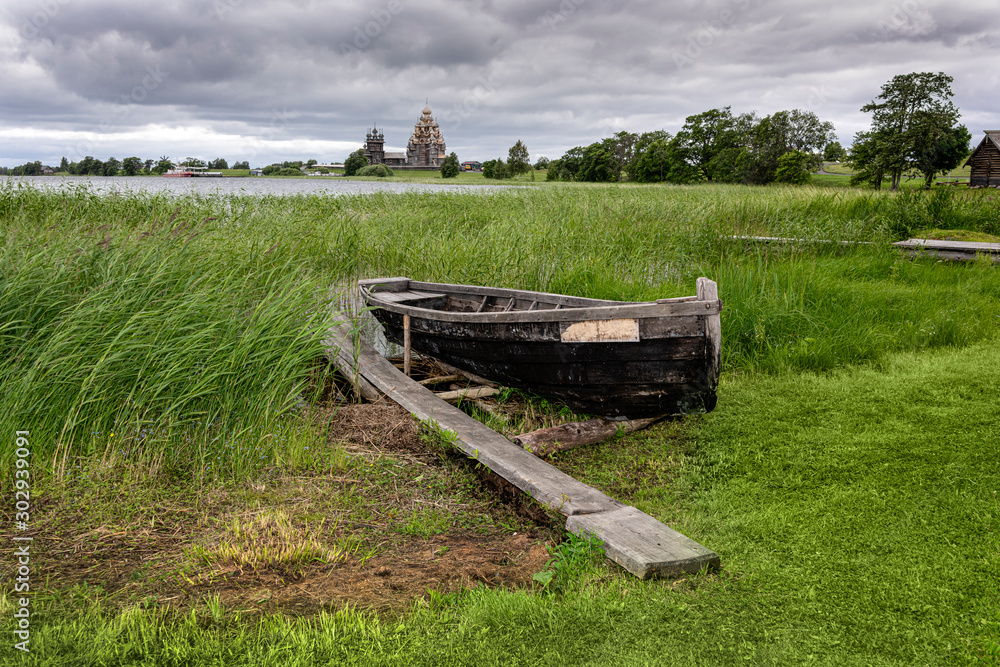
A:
[636,541]
[963,251]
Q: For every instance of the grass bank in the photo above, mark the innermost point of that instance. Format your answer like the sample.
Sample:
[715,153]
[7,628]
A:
[855,512]
[845,477]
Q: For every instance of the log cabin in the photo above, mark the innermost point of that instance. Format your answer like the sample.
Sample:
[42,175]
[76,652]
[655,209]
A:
[985,161]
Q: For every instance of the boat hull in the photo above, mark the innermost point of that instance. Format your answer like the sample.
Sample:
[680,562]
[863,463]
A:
[598,357]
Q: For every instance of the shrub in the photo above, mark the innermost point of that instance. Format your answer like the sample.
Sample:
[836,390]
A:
[379,170]
[355,162]
[450,167]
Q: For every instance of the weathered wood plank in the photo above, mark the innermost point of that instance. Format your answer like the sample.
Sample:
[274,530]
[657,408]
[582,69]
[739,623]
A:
[545,441]
[642,545]
[467,394]
[708,290]
[963,246]
[340,346]
[440,379]
[568,305]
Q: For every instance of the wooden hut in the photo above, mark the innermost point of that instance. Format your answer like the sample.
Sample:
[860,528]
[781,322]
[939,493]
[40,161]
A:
[985,161]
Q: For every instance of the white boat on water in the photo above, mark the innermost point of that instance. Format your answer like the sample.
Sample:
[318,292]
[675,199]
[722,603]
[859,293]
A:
[192,172]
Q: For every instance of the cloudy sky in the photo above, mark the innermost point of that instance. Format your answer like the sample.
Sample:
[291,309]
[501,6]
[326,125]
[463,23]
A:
[276,80]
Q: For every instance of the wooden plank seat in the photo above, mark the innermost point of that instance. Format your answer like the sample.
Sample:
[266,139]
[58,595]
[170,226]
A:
[410,295]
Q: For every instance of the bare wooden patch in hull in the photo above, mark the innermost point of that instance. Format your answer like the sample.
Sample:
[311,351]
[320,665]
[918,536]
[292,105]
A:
[601,331]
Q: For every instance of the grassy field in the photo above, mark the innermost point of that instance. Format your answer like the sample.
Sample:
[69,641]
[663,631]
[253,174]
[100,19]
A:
[166,356]
[838,168]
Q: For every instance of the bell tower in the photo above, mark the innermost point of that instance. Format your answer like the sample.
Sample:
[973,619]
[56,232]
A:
[375,146]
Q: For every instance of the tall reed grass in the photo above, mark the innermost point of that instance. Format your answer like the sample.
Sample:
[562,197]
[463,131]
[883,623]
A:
[186,326]
[125,332]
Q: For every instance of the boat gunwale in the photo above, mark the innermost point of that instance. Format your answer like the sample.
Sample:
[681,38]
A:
[574,311]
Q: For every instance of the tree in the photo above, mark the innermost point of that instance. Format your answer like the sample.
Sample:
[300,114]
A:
[241,165]
[131,166]
[218,163]
[622,148]
[598,163]
[192,162]
[780,133]
[542,163]
[641,146]
[569,164]
[450,166]
[912,110]
[868,160]
[939,154]
[705,136]
[163,164]
[834,152]
[147,166]
[517,159]
[28,169]
[355,162]
[64,164]
[793,167]
[111,167]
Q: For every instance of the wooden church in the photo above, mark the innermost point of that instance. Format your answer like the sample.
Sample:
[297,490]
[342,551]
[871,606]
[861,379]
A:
[985,162]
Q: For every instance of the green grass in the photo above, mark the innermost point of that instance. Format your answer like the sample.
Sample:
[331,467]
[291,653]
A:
[962,172]
[856,514]
[847,477]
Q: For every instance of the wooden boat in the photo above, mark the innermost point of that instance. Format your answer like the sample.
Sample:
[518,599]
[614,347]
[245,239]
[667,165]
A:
[608,358]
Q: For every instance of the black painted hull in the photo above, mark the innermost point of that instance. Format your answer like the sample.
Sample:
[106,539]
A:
[667,366]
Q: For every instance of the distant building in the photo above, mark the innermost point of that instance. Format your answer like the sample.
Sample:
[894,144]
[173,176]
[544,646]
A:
[472,165]
[985,162]
[426,149]
[47,170]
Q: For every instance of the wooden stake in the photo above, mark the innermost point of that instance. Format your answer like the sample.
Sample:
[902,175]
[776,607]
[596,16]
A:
[467,394]
[545,441]
[406,345]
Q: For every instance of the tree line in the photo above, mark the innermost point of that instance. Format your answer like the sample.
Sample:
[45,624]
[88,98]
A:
[130,166]
[715,146]
[914,132]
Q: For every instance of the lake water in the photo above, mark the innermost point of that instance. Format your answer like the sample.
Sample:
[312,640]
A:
[247,186]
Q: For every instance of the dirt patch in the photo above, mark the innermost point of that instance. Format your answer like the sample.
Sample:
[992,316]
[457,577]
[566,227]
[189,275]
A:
[405,516]
[390,582]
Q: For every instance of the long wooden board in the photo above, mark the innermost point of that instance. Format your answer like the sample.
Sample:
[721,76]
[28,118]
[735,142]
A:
[955,250]
[634,540]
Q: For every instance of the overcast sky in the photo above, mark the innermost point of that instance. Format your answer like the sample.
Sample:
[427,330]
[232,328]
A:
[277,80]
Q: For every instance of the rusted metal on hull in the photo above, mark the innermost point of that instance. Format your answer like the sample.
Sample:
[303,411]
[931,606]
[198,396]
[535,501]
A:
[600,357]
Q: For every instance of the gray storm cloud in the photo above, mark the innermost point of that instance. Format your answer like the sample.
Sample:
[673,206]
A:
[198,76]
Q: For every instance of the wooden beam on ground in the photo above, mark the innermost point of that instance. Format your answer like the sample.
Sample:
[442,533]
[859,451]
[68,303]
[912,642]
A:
[340,349]
[962,251]
[642,545]
[467,394]
[440,379]
[545,441]
[448,368]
